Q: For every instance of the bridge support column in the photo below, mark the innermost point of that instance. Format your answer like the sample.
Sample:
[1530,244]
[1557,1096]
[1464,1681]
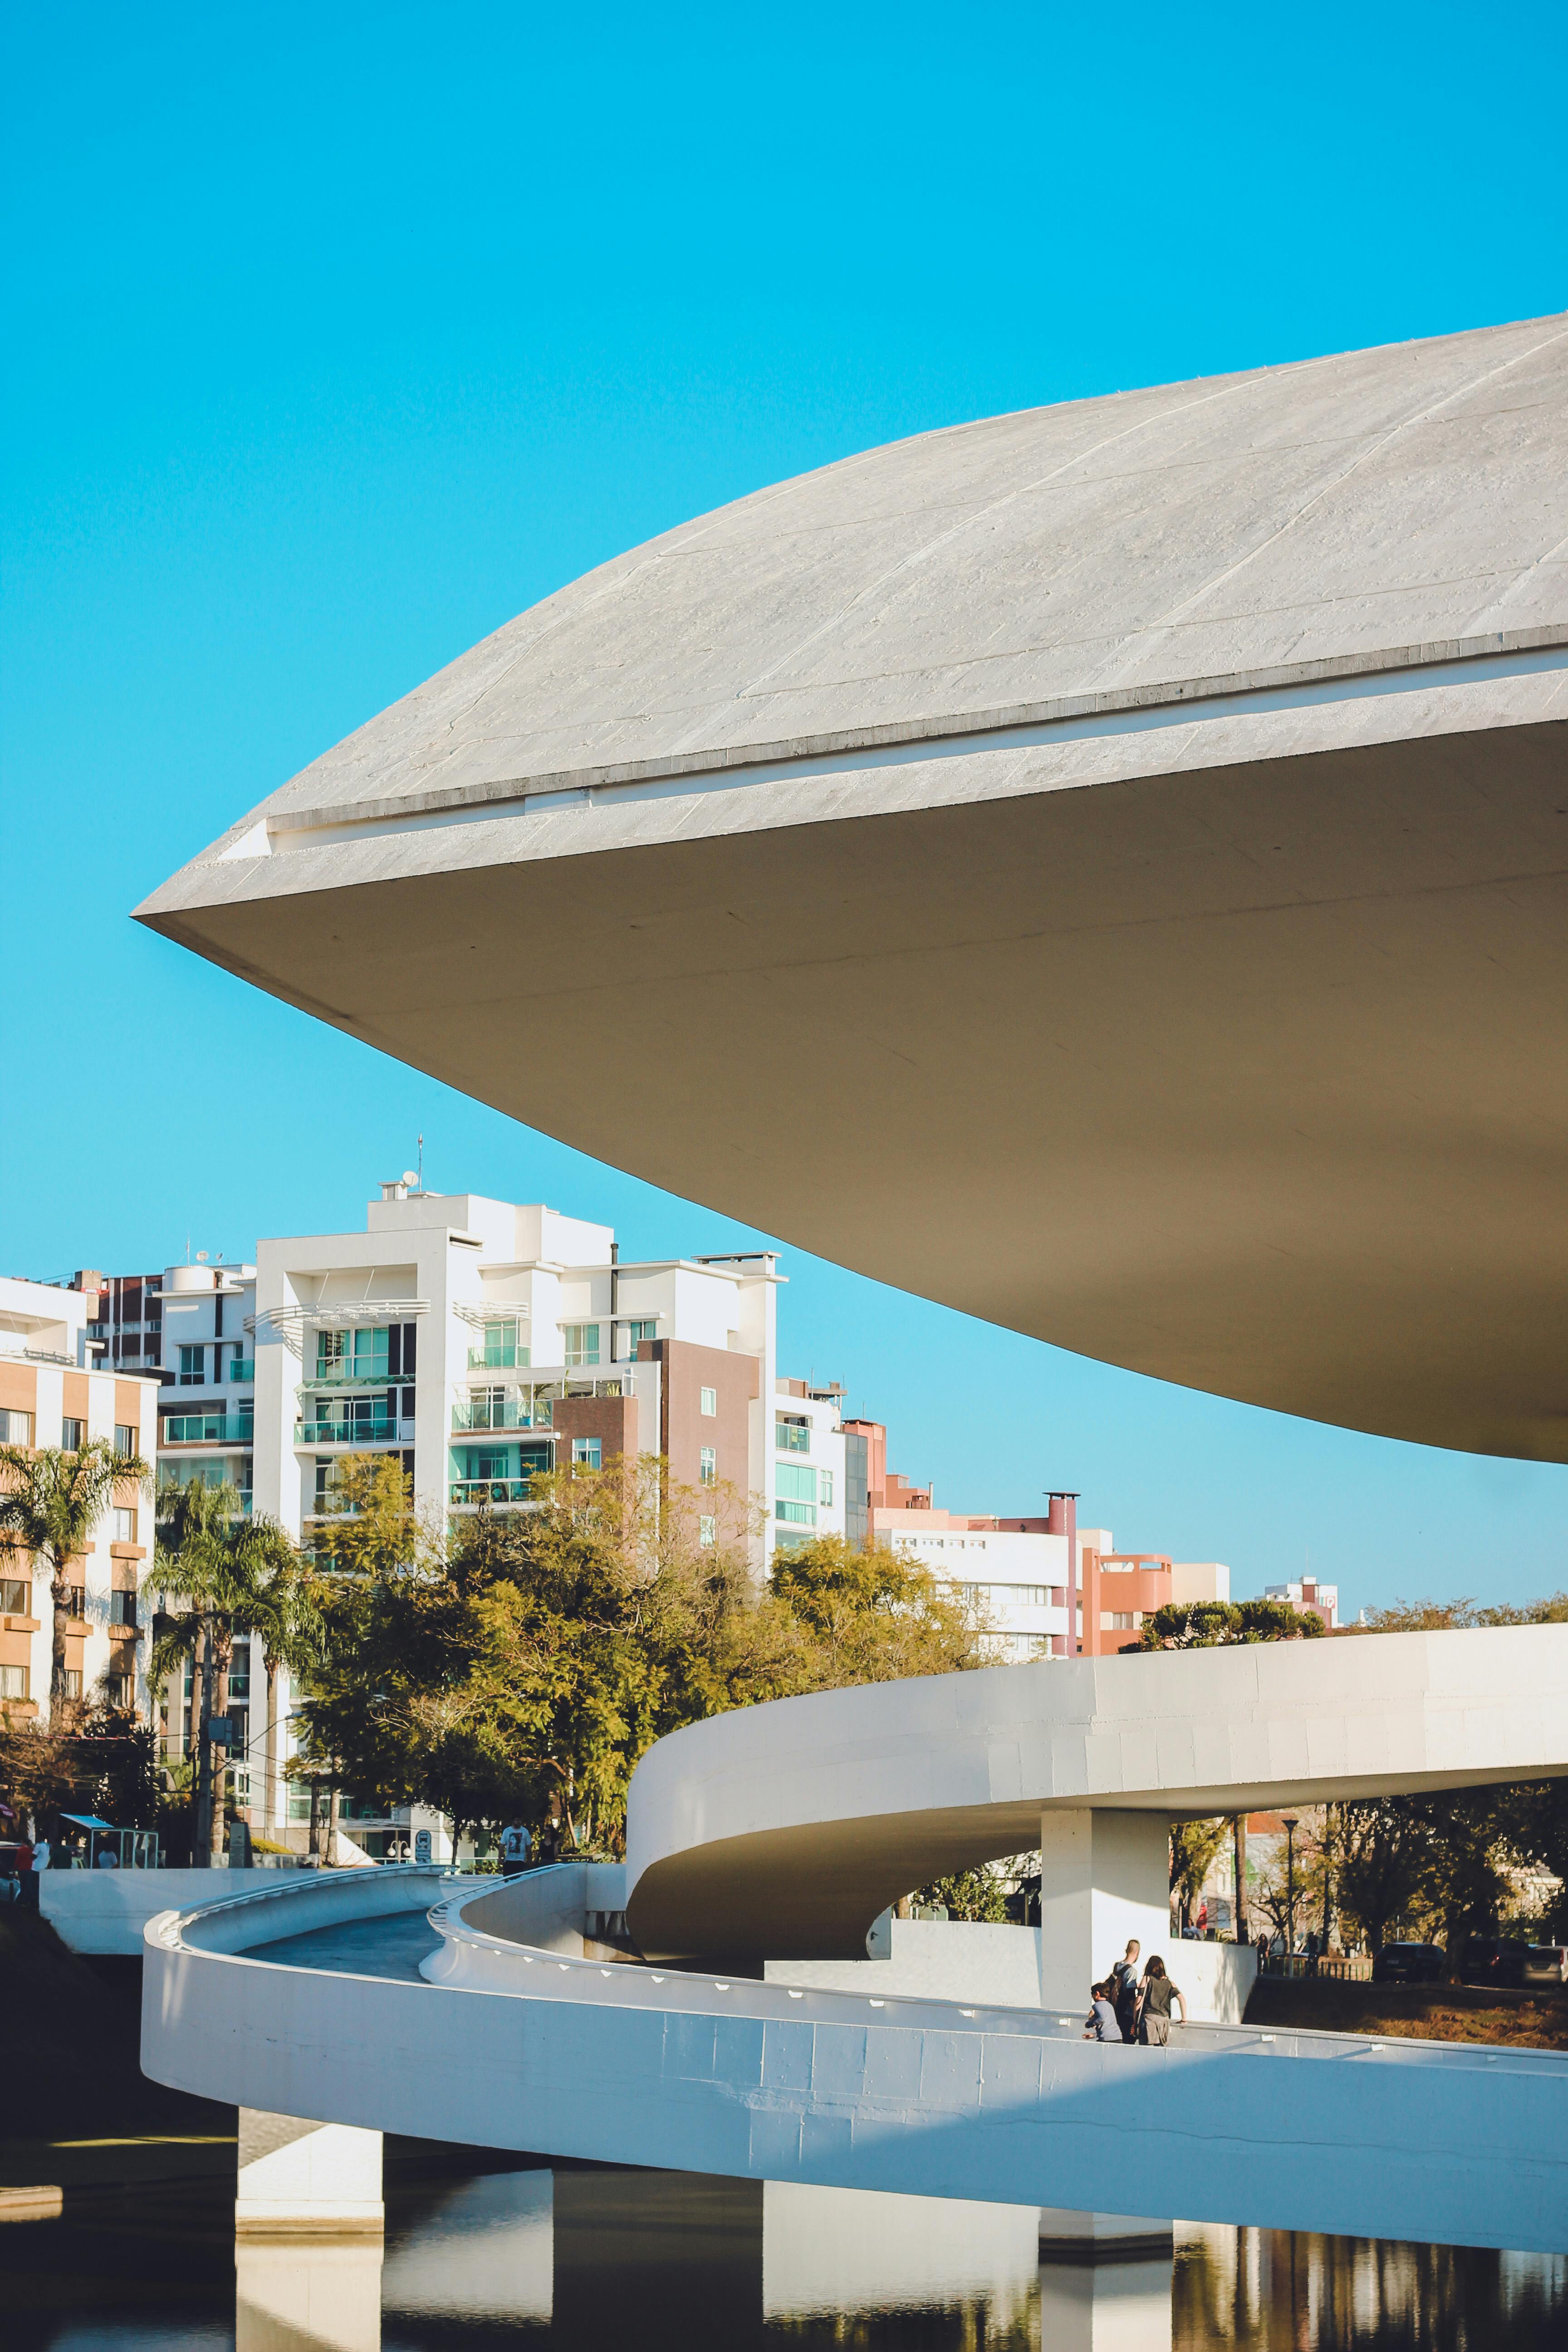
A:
[1104,1876]
[300,2179]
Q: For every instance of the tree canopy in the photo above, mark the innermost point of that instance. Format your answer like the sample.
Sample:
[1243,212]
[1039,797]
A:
[1211,1624]
[521,1664]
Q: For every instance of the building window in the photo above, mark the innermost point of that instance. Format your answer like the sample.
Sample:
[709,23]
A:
[708,1470]
[502,1348]
[124,1438]
[580,1341]
[124,1526]
[795,1502]
[16,1428]
[824,1489]
[361,1355]
[707,1530]
[710,1402]
[636,1333]
[16,1596]
[73,1682]
[76,1602]
[587,1453]
[122,1609]
[73,1435]
[239,1674]
[121,1691]
[793,1433]
[14,1682]
[192,1367]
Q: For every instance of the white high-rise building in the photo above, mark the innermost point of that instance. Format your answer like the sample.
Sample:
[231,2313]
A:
[479,1342]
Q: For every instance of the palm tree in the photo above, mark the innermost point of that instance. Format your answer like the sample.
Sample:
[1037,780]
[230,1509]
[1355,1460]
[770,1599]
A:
[233,1576]
[50,1502]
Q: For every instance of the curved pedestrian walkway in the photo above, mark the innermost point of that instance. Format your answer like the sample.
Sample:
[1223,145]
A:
[401,2001]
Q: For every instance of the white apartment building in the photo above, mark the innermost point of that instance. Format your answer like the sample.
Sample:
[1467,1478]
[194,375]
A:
[1307,1594]
[1017,1579]
[480,1342]
[53,1393]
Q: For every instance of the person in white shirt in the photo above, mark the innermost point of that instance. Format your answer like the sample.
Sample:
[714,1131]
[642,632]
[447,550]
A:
[514,1844]
[107,1858]
[41,1854]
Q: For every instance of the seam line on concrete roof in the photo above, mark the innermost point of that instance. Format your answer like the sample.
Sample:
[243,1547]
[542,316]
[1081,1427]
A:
[1467,662]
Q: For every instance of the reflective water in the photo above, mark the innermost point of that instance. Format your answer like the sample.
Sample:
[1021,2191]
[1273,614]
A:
[617,2259]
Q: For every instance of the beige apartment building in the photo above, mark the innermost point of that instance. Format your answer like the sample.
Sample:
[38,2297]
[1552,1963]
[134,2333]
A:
[54,1392]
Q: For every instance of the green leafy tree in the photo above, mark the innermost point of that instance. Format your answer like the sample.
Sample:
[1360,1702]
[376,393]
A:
[50,1504]
[1194,1847]
[1382,1863]
[221,1574]
[524,1667]
[872,1616]
[1214,1624]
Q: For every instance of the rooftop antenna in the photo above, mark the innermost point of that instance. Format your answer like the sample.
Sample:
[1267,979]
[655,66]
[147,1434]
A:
[420,1171]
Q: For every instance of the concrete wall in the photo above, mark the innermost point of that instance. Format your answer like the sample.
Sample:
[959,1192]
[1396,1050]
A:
[646,2066]
[955,1959]
[106,1910]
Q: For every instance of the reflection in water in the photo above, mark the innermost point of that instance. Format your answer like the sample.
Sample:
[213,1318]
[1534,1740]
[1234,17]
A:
[1278,2291]
[315,2297]
[484,2249]
[831,2253]
[598,2261]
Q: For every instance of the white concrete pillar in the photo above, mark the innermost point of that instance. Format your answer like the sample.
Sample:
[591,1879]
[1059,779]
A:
[1115,2306]
[300,2179]
[307,2296]
[1104,1876]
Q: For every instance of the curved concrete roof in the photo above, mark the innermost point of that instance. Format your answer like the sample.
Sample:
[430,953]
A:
[786,1828]
[1137,825]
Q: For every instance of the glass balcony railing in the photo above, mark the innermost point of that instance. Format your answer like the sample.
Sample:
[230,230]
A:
[245,1371]
[468,1493]
[515,1412]
[345,1430]
[497,1355]
[208,1429]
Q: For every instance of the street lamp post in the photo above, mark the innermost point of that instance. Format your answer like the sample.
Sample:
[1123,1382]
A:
[1292,1824]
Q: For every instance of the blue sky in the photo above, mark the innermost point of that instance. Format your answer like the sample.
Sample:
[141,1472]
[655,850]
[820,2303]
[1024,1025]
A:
[338,336]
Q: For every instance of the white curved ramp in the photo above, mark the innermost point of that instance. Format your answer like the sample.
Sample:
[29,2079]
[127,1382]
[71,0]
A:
[786,1829]
[388,2000]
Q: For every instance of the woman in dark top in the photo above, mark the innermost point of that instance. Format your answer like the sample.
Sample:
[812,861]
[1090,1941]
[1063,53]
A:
[1154,2000]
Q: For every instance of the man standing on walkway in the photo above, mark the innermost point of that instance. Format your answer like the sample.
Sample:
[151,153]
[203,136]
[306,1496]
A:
[514,1846]
[1124,1977]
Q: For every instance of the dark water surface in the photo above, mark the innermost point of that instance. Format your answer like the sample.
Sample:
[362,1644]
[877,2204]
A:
[604,2261]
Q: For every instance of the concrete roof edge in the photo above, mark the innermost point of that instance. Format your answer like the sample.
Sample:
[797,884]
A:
[1167,693]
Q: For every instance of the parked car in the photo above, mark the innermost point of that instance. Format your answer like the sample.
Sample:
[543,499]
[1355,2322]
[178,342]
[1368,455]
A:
[1493,1961]
[1546,1964]
[1407,1964]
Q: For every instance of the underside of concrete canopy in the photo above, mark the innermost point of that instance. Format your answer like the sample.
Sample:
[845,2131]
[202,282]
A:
[1105,868]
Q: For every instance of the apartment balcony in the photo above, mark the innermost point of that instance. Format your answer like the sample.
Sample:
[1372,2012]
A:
[484,1413]
[499,1356]
[340,1430]
[468,1494]
[208,1429]
[244,1371]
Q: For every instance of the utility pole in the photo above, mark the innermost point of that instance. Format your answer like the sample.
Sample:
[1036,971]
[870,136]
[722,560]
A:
[1328,1874]
[1292,1824]
[1243,1925]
